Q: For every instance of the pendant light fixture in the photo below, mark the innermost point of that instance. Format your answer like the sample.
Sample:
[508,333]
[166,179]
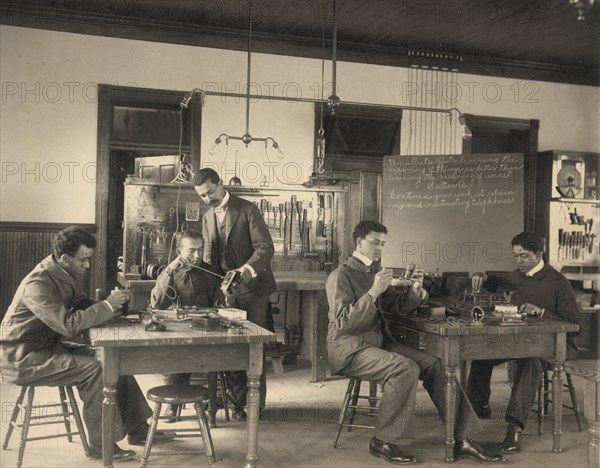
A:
[246,138]
[320,141]
[333,101]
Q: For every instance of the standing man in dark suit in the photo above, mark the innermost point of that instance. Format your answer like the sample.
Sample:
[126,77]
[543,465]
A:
[236,237]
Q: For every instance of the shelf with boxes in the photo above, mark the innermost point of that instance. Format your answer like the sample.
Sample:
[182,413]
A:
[568,210]
[303,223]
[308,235]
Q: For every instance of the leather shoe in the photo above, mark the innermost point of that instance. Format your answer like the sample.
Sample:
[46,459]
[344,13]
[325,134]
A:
[139,437]
[512,441]
[389,452]
[171,414]
[468,448]
[119,454]
[239,415]
[483,412]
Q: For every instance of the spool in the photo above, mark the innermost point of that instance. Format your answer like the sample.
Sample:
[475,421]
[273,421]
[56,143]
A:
[477,314]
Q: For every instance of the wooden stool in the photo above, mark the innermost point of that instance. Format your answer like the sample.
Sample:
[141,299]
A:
[350,406]
[29,407]
[544,390]
[589,369]
[179,395]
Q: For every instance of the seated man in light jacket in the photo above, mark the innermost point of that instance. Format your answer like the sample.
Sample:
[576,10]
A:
[47,311]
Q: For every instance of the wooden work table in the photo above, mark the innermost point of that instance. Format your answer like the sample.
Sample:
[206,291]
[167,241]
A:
[305,310]
[456,340]
[126,348]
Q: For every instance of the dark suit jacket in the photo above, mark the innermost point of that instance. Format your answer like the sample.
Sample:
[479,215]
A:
[248,242]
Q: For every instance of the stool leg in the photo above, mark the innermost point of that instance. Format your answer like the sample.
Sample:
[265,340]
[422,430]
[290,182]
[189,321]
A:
[78,420]
[546,392]
[25,429]
[206,437]
[343,412]
[65,412]
[150,437]
[574,401]
[540,406]
[354,402]
[212,400]
[224,392]
[13,418]
[373,398]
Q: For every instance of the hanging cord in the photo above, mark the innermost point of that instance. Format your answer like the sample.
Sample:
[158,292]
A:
[321,131]
[185,168]
[249,68]
[174,236]
[411,113]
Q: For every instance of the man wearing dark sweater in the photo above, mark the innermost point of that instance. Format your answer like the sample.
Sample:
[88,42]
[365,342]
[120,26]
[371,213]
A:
[538,290]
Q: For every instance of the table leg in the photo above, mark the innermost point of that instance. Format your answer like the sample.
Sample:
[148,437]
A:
[557,386]
[465,366]
[212,399]
[110,374]
[253,407]
[315,332]
[450,372]
[592,392]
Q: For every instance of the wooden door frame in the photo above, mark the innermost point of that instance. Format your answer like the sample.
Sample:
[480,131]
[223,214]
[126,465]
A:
[505,124]
[110,96]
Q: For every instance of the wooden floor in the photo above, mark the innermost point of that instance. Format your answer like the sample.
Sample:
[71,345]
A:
[298,428]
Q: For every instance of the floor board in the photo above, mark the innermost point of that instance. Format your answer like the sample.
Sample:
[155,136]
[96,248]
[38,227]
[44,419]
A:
[298,428]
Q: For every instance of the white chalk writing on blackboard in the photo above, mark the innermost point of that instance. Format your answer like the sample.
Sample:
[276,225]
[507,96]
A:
[452,181]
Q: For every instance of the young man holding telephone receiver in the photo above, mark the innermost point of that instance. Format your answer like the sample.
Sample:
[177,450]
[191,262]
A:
[358,292]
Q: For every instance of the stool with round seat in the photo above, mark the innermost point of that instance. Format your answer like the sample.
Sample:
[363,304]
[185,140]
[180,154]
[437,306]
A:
[179,395]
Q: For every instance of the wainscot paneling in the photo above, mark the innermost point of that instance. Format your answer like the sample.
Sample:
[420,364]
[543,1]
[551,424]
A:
[22,246]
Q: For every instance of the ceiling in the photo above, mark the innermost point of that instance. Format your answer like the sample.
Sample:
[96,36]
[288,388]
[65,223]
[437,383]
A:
[526,39]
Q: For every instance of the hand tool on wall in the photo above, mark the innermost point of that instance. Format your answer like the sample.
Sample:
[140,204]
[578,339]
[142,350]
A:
[293,235]
[287,230]
[560,243]
[328,217]
[285,233]
[303,232]
[275,209]
[281,214]
[268,213]
[571,245]
[310,253]
[293,201]
[299,209]
[321,215]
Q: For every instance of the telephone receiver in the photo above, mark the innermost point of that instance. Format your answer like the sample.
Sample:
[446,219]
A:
[184,263]
[231,280]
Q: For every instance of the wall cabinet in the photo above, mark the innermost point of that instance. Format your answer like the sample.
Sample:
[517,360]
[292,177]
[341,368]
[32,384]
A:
[308,231]
[568,211]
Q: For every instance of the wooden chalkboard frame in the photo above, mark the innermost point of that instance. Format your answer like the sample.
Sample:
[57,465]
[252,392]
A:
[452,212]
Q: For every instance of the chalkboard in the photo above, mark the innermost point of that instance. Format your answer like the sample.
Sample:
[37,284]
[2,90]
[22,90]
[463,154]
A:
[452,212]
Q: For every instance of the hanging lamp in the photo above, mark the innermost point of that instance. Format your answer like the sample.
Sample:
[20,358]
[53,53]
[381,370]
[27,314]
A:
[247,138]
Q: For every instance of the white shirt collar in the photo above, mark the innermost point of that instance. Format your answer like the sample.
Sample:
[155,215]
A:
[536,268]
[223,206]
[366,260]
